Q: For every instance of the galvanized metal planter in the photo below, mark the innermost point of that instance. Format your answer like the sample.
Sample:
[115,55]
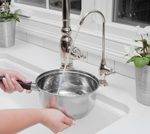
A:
[143,85]
[7,33]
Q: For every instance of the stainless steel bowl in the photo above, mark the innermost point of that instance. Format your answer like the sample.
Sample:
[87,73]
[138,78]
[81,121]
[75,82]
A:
[77,93]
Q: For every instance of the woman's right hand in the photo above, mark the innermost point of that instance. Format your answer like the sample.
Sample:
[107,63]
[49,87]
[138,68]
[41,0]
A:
[55,120]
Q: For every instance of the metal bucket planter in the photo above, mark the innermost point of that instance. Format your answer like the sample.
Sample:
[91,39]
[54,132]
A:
[143,85]
[7,33]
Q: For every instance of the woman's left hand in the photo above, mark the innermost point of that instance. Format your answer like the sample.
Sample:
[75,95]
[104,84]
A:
[9,83]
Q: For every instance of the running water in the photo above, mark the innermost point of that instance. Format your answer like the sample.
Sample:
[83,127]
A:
[69,54]
[62,77]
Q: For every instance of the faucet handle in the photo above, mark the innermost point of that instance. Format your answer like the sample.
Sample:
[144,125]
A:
[104,71]
[76,53]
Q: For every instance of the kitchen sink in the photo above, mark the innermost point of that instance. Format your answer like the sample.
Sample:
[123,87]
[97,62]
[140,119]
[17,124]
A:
[105,112]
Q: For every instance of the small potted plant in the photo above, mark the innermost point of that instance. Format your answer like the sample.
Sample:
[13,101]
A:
[140,56]
[8,20]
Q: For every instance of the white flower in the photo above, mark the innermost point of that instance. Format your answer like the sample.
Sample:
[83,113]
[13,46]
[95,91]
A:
[135,46]
[130,50]
[144,33]
[141,31]
[2,9]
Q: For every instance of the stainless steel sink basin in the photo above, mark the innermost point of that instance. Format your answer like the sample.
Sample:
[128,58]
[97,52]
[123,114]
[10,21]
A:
[106,111]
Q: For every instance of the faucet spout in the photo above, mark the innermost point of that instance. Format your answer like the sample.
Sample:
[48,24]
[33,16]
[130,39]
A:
[103,70]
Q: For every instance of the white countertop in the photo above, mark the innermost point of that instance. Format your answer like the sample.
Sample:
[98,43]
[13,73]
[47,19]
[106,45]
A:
[121,89]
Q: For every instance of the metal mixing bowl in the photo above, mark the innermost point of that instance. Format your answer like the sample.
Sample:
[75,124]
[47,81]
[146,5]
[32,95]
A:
[76,95]
[73,92]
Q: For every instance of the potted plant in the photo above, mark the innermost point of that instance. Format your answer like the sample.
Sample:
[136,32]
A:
[140,56]
[8,20]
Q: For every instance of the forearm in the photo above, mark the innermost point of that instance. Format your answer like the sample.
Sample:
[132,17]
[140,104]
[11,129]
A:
[13,121]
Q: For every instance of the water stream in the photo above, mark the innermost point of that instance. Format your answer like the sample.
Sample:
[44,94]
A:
[62,77]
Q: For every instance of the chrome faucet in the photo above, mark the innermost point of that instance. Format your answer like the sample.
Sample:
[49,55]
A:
[103,69]
[66,42]
[66,39]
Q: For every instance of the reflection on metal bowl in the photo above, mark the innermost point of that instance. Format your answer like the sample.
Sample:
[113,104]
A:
[76,95]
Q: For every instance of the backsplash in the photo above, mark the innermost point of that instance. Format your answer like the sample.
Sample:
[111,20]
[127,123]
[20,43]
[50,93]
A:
[116,61]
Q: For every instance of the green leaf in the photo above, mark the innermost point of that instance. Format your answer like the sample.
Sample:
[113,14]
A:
[132,59]
[148,56]
[7,16]
[141,61]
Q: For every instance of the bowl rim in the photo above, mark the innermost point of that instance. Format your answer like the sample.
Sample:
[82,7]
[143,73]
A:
[70,71]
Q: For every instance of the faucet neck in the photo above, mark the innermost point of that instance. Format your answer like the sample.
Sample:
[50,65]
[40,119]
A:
[66,7]
[103,61]
[103,68]
[66,40]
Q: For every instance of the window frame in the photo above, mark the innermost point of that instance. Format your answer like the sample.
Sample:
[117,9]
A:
[115,31]
[41,25]
[124,21]
[46,13]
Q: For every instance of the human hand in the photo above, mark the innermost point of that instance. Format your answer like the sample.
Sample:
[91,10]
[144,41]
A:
[55,120]
[9,82]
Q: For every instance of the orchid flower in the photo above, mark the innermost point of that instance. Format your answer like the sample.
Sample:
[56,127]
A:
[140,49]
[131,50]
[7,12]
